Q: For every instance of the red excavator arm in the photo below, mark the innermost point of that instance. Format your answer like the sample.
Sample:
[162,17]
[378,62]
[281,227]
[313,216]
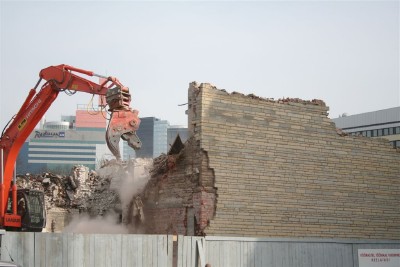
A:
[123,121]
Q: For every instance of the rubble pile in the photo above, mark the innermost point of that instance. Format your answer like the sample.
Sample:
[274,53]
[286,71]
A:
[62,191]
[114,188]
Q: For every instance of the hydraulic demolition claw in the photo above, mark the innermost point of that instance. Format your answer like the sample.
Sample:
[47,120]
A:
[123,124]
[124,121]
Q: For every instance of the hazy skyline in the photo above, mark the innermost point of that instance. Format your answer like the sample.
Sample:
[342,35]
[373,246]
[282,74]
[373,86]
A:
[345,52]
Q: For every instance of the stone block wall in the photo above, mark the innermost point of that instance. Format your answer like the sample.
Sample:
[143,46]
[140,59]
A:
[280,169]
[265,168]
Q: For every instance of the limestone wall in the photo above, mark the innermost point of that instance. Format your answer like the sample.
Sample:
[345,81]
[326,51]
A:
[281,169]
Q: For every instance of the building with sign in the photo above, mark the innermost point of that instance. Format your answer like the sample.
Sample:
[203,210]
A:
[58,146]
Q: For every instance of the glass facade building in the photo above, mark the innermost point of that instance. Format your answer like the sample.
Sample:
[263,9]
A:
[156,136]
[153,135]
[160,137]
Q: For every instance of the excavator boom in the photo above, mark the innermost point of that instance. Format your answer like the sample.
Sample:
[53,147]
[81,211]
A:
[123,121]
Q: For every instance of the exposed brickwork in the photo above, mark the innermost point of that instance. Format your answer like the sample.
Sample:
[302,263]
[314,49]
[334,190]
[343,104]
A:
[281,169]
[204,206]
[177,200]
[164,220]
[259,167]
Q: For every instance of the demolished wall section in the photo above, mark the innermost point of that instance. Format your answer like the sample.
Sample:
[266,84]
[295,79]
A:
[176,199]
[282,170]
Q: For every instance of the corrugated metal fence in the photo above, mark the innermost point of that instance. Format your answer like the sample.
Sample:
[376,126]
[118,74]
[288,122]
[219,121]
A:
[280,252]
[94,250]
[45,249]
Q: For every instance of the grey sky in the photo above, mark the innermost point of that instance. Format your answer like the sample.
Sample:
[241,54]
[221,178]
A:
[345,52]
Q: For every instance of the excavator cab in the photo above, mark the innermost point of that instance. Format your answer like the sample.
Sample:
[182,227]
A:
[31,208]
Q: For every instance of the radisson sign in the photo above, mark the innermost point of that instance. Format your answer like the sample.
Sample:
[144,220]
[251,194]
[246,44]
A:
[47,134]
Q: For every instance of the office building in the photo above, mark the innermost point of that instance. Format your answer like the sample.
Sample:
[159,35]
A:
[376,124]
[58,146]
[153,135]
[156,136]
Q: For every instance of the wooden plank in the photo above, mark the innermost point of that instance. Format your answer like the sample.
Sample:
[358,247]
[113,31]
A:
[65,250]
[170,250]
[18,247]
[145,243]
[93,257]
[149,249]
[127,251]
[267,254]
[183,251]
[87,250]
[161,251]
[77,252]
[221,255]
[153,248]
[140,250]
[201,253]
[243,254]
[180,251]
[237,250]
[28,250]
[193,249]
[114,250]
[252,254]
[213,253]
[153,251]
[40,250]
[134,245]
[100,255]
[187,253]
[258,255]
[83,251]
[10,243]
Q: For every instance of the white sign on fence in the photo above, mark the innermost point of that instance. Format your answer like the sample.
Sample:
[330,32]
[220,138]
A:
[379,257]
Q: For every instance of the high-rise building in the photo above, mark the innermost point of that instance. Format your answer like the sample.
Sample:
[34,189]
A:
[160,137]
[382,123]
[156,136]
[57,146]
[152,133]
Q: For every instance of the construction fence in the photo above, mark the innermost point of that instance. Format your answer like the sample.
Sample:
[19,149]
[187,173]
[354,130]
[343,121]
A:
[120,250]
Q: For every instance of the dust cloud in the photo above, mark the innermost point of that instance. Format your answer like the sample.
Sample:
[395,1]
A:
[127,182]
[134,182]
[101,225]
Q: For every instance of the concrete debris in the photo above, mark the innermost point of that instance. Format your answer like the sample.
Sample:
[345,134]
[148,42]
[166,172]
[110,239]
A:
[162,164]
[340,132]
[287,100]
[62,191]
[301,101]
[113,188]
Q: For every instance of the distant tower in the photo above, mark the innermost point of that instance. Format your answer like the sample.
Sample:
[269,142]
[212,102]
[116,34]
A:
[152,133]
